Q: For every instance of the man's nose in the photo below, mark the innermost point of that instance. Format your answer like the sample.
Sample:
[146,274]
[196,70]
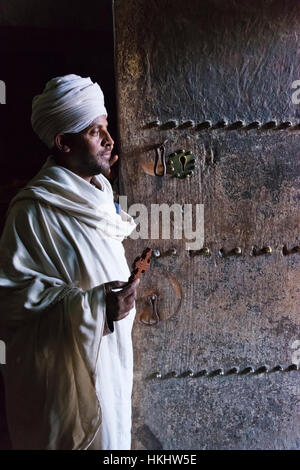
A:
[107,141]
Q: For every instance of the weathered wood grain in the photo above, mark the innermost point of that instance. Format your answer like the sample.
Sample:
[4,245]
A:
[199,61]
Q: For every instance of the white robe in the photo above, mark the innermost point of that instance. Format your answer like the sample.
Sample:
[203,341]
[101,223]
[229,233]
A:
[67,377]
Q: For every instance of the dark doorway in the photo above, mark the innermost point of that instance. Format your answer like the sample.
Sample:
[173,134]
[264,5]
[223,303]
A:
[29,57]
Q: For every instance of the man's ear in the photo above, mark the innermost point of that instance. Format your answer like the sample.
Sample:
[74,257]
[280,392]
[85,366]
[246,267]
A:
[60,143]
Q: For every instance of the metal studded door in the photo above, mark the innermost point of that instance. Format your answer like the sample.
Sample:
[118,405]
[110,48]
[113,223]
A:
[217,332]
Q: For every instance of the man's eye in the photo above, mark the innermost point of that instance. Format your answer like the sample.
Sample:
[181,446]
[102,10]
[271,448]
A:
[95,131]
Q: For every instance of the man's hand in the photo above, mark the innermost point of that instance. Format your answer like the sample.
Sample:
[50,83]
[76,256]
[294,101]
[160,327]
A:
[113,160]
[118,304]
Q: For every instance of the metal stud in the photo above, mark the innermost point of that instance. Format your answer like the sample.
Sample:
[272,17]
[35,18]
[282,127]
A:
[292,367]
[203,125]
[236,125]
[284,125]
[155,123]
[253,125]
[261,370]
[285,251]
[157,254]
[277,368]
[237,251]
[269,125]
[204,251]
[265,250]
[170,124]
[174,374]
[216,372]
[220,124]
[233,370]
[247,370]
[186,124]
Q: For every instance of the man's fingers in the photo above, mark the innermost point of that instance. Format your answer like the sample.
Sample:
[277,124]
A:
[125,295]
[114,284]
[129,299]
[132,285]
[124,315]
[132,294]
[113,160]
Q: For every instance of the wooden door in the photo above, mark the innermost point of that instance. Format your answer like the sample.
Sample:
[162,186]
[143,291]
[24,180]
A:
[215,78]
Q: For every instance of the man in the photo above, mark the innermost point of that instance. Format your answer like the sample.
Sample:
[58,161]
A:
[69,365]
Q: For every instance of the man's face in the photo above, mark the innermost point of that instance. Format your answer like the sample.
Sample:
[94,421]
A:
[91,149]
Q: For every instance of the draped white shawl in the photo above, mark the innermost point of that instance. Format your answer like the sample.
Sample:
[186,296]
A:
[61,241]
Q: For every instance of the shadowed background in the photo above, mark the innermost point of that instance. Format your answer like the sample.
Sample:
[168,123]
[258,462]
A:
[39,41]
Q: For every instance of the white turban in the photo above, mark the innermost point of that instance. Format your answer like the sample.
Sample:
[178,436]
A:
[68,104]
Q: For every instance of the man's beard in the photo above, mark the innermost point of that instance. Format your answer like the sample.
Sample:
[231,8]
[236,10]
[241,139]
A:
[95,168]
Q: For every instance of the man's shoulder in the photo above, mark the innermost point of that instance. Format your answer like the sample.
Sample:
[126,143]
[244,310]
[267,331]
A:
[19,219]
[25,212]
[22,207]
